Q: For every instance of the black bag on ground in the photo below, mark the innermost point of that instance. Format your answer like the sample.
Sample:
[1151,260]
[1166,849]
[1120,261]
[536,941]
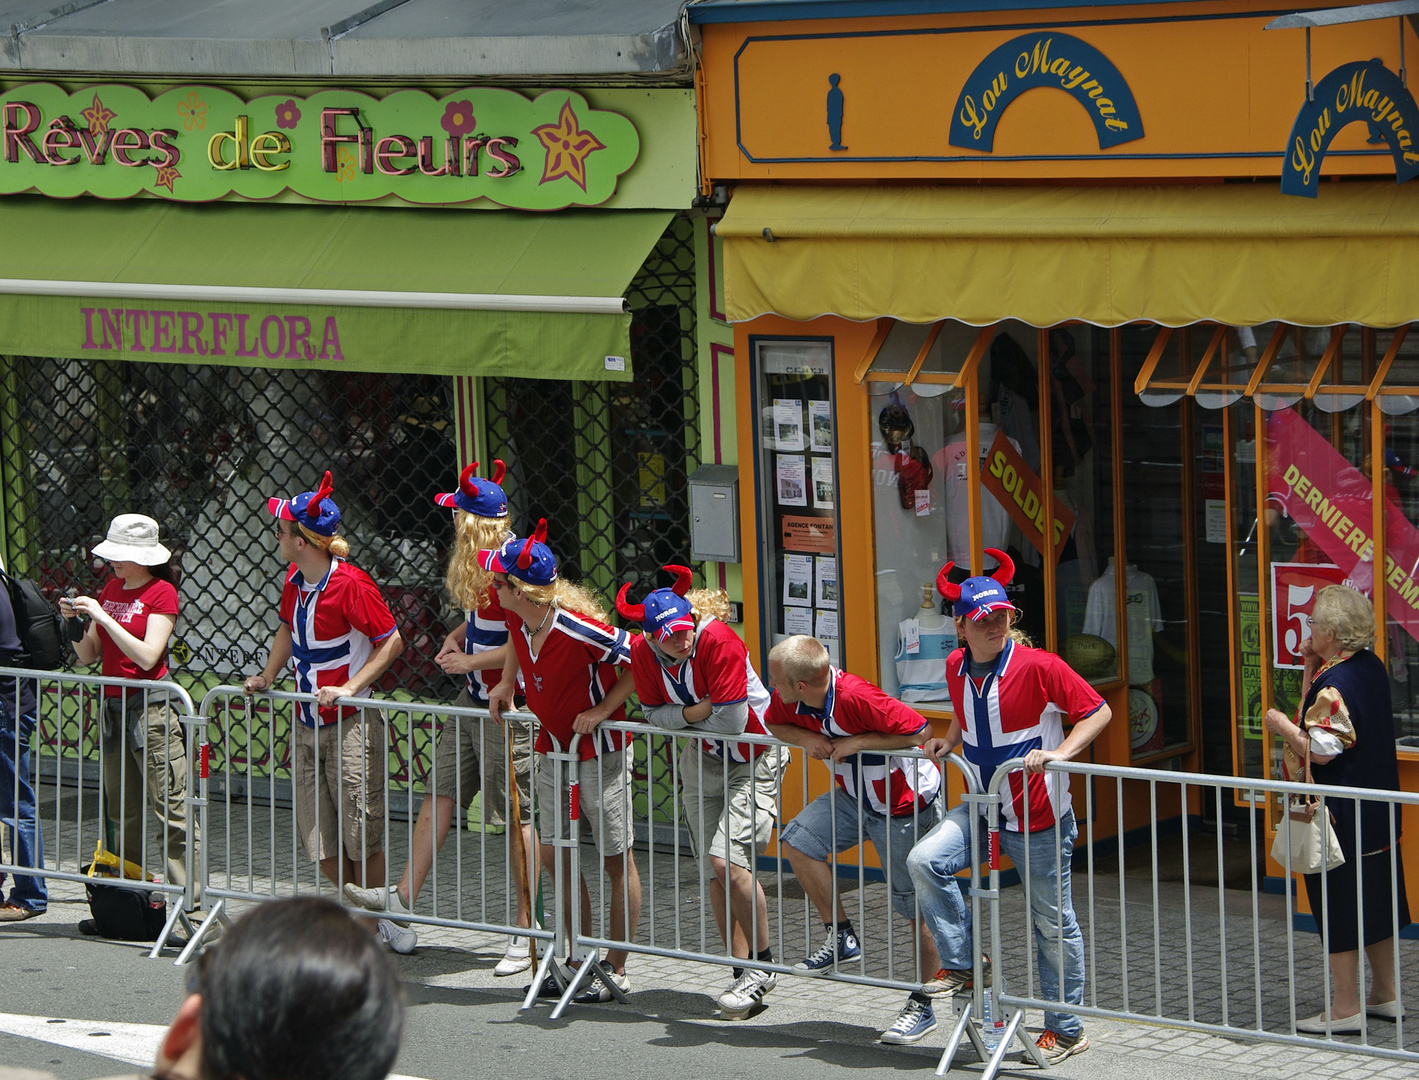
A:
[125,914]
[43,638]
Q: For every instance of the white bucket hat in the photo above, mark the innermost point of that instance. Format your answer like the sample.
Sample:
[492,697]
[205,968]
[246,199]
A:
[133,538]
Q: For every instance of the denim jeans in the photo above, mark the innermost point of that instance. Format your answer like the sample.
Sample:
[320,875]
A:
[933,864]
[835,813]
[20,815]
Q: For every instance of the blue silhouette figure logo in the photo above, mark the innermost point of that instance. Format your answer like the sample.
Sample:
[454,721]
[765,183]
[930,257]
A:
[835,113]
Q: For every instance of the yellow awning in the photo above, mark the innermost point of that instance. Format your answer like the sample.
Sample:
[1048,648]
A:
[1231,253]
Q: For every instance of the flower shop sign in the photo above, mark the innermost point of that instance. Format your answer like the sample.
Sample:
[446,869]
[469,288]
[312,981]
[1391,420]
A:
[198,143]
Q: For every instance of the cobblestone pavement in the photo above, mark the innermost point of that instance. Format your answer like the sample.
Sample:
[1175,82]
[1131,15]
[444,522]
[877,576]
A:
[1230,947]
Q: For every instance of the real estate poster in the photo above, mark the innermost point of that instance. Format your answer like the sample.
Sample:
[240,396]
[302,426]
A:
[792,486]
[823,483]
[826,593]
[788,424]
[798,580]
[820,419]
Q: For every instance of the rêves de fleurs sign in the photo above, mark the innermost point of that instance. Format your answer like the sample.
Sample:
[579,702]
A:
[198,143]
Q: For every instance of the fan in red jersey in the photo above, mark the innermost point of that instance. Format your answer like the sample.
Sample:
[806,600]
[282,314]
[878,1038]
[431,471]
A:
[575,672]
[693,674]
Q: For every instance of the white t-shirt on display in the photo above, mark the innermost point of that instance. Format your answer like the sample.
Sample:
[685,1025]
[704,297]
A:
[1145,618]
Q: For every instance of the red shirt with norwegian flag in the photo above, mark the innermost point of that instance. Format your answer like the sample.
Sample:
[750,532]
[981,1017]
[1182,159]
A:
[1020,705]
[891,784]
[573,671]
[334,624]
[717,669]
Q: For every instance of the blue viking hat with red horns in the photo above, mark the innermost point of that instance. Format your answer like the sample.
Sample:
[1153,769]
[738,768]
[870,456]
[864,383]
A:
[977,597]
[529,560]
[664,611]
[485,498]
[315,510]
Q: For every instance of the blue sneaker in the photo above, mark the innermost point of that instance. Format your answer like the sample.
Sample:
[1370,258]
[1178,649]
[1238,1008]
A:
[839,945]
[915,1022]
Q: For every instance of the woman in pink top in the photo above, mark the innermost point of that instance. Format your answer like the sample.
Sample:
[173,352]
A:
[144,750]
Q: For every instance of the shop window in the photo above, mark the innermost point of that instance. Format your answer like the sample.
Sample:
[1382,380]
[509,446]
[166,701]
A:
[1086,582]
[1401,472]
[796,460]
[200,448]
[923,481]
[1155,585]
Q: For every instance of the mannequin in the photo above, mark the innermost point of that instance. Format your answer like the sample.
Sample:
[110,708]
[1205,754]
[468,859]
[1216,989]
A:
[923,644]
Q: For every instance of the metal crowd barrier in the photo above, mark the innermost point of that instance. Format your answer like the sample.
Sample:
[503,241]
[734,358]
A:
[1221,957]
[255,851]
[795,930]
[94,766]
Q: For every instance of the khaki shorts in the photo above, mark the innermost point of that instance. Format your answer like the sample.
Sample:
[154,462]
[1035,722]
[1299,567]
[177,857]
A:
[351,778]
[605,802]
[730,807]
[471,756]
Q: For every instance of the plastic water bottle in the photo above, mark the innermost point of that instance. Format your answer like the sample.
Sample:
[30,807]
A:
[992,1023]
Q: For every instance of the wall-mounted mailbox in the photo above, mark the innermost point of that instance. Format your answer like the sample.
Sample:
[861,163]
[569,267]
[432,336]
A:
[714,513]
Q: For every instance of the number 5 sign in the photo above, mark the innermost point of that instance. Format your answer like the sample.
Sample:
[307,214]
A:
[1293,594]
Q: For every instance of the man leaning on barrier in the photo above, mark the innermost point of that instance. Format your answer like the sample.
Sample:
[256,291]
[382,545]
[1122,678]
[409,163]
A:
[1010,701]
[845,720]
[336,626]
[576,675]
[693,676]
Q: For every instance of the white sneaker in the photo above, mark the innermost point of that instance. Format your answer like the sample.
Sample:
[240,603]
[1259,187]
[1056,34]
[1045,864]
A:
[399,938]
[746,992]
[377,900]
[517,958]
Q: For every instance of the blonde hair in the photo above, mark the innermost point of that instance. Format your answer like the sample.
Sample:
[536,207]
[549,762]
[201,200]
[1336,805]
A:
[1347,614]
[709,602]
[802,659]
[468,582]
[334,545]
[566,595]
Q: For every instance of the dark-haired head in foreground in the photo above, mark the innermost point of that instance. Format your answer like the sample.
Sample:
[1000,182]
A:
[295,989]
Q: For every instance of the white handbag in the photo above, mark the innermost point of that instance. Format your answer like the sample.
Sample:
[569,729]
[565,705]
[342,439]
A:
[1307,834]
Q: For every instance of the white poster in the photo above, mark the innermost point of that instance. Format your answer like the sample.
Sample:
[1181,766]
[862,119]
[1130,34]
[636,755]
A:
[820,418]
[827,628]
[798,580]
[1216,521]
[826,594]
[797,620]
[823,483]
[788,424]
[792,485]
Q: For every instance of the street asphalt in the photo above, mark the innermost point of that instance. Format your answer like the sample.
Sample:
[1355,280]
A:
[114,1004]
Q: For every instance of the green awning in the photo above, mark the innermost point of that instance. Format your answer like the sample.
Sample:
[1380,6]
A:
[451,292]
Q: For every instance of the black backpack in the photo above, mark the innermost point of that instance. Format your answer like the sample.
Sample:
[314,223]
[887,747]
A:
[43,641]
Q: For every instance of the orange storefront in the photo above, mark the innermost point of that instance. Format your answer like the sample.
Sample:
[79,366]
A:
[1125,291]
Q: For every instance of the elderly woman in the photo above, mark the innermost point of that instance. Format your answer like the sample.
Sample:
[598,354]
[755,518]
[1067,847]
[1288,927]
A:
[1346,719]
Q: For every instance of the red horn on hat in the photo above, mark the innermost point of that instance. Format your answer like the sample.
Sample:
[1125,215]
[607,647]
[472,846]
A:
[634,612]
[499,470]
[539,536]
[1006,570]
[943,583]
[327,486]
[465,481]
[684,578]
